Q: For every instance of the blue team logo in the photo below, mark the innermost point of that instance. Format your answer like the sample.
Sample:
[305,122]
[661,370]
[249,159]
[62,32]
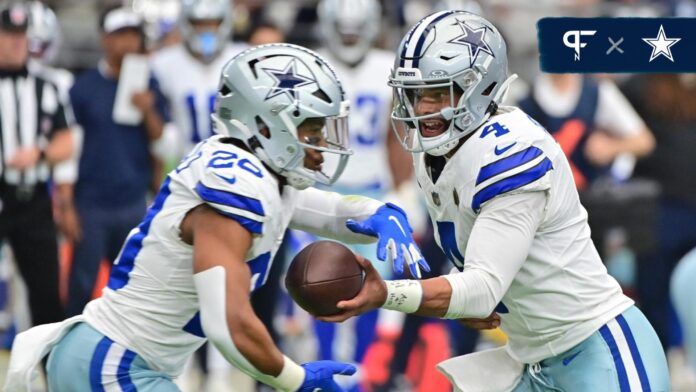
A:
[289,80]
[474,39]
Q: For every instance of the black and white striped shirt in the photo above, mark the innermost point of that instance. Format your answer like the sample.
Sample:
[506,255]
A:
[31,111]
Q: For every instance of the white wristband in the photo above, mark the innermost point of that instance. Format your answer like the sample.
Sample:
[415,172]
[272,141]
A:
[403,295]
[290,378]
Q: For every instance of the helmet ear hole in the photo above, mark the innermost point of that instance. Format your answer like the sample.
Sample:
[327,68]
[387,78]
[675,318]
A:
[322,95]
[225,91]
[263,128]
[489,89]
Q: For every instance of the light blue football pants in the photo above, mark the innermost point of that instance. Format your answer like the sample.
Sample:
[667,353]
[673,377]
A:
[85,360]
[683,293]
[623,355]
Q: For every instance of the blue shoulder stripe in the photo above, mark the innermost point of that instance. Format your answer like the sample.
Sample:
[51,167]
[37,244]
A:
[508,163]
[510,183]
[230,199]
[255,227]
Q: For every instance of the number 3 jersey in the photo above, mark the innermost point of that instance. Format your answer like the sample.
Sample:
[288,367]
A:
[562,293]
[150,304]
[365,84]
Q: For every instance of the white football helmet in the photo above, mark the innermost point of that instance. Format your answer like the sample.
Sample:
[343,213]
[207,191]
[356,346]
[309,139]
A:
[43,33]
[266,92]
[207,44]
[454,50]
[349,27]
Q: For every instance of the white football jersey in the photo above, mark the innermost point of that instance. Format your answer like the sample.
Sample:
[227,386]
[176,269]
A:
[370,107]
[150,304]
[190,86]
[562,293]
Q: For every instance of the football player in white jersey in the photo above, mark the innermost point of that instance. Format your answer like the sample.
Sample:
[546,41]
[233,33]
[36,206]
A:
[501,197]
[188,72]
[185,273]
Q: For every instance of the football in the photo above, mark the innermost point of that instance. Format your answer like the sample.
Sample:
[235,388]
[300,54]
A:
[321,275]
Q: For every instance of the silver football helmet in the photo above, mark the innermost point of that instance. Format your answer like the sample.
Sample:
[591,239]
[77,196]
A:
[266,92]
[349,27]
[44,32]
[206,44]
[454,56]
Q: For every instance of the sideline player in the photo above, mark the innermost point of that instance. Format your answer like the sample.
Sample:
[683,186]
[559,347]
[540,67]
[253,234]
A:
[501,196]
[188,72]
[185,273]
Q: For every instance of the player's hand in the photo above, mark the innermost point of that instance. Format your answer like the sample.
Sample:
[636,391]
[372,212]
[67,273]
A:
[144,100]
[319,375]
[490,322]
[395,241]
[371,296]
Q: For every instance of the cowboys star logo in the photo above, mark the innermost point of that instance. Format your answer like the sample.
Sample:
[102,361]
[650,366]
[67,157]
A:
[474,39]
[287,81]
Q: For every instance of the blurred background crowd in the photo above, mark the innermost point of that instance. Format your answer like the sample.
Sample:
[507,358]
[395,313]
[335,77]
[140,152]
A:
[72,190]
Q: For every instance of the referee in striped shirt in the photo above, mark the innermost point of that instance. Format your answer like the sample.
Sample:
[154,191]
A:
[34,135]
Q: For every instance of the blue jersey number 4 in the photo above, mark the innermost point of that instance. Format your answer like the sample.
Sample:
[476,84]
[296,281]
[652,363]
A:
[496,128]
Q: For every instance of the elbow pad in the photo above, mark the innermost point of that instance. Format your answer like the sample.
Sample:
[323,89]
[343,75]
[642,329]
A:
[210,285]
[474,294]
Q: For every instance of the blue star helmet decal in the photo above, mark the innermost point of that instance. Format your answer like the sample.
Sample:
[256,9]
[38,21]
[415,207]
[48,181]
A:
[474,39]
[287,80]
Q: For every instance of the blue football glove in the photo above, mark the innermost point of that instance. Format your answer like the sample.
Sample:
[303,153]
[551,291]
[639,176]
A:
[390,225]
[319,375]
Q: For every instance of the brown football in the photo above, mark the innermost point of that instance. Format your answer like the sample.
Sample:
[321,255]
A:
[321,275]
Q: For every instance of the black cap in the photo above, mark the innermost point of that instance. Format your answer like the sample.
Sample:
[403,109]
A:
[14,18]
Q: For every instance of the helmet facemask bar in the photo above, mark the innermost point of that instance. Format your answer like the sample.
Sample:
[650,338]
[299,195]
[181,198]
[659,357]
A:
[408,125]
[333,145]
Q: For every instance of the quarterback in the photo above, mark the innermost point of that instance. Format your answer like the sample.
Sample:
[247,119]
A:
[501,197]
[185,273]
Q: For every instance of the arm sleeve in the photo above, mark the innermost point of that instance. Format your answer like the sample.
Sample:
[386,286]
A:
[325,214]
[615,114]
[210,286]
[490,267]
